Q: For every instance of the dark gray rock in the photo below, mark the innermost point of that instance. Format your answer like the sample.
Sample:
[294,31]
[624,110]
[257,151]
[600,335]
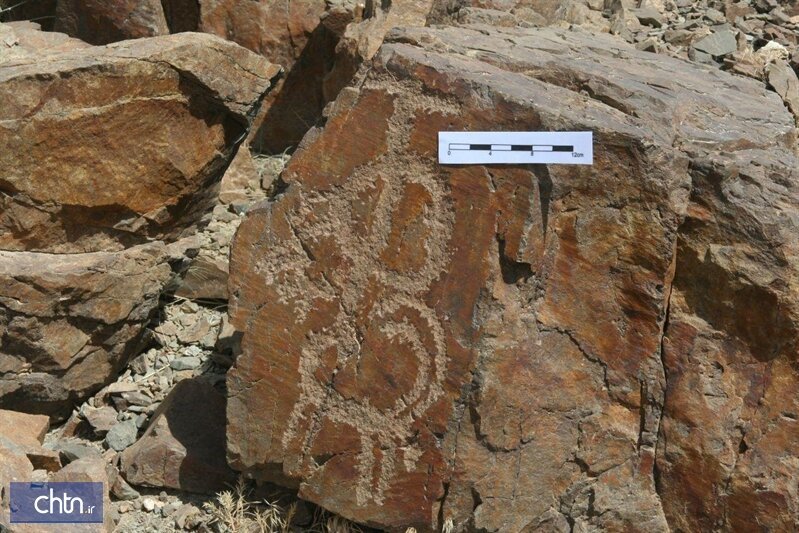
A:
[718,43]
[122,435]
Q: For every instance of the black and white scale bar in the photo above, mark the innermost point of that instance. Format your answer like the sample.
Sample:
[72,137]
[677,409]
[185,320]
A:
[512,147]
[515,147]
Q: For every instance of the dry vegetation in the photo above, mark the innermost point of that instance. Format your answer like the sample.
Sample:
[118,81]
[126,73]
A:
[234,512]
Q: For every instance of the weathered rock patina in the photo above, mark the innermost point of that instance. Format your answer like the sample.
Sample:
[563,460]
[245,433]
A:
[153,124]
[110,156]
[108,21]
[69,322]
[494,345]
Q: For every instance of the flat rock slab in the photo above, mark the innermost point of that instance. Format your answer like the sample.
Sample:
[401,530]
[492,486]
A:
[68,323]
[108,147]
[23,429]
[719,43]
[492,345]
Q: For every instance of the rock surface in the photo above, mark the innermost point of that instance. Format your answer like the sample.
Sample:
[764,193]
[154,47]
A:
[362,38]
[22,434]
[24,40]
[783,79]
[349,33]
[24,459]
[88,219]
[508,347]
[94,470]
[70,322]
[130,175]
[108,21]
[287,33]
[23,429]
[277,29]
[13,467]
[182,447]
[122,435]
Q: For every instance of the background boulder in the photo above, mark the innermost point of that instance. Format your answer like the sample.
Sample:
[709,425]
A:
[108,21]
[111,155]
[123,175]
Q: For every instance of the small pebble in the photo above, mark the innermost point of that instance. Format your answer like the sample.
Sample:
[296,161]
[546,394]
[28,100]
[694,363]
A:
[148,504]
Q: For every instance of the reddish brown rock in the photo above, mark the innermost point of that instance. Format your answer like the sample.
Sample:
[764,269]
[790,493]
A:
[68,323]
[108,21]
[183,447]
[349,34]
[23,434]
[94,470]
[276,29]
[287,33]
[13,467]
[729,434]
[362,38]
[160,124]
[23,429]
[483,344]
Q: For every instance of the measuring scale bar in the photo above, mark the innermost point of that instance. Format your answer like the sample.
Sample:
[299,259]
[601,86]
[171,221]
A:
[512,147]
[515,147]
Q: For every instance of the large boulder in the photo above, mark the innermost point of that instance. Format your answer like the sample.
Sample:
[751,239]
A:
[729,433]
[276,29]
[70,322]
[151,125]
[362,38]
[349,34]
[108,21]
[286,32]
[495,345]
[109,155]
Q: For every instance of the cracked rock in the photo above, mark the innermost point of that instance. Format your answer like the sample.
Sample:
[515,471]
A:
[67,194]
[424,343]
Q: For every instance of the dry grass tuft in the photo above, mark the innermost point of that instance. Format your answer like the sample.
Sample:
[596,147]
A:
[233,512]
[324,522]
[449,526]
